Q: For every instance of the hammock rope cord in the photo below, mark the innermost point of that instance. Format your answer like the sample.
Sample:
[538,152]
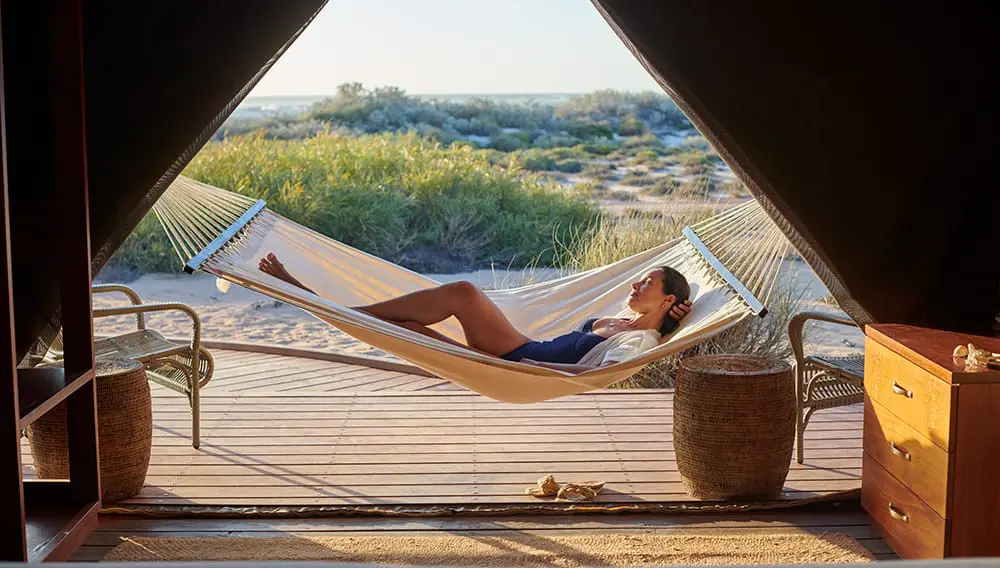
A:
[732,261]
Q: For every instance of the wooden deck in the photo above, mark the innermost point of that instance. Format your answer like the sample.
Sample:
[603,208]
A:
[282,431]
[286,433]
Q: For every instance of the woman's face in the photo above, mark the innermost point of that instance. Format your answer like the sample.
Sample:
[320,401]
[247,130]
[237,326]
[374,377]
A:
[647,293]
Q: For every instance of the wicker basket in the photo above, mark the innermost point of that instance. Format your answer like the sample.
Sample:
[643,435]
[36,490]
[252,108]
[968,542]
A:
[734,426]
[125,427]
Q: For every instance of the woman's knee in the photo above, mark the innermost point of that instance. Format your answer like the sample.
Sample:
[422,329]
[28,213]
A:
[464,291]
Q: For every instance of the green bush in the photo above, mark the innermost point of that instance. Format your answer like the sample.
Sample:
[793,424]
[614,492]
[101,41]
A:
[631,126]
[698,169]
[599,171]
[734,188]
[698,186]
[390,195]
[569,166]
[646,142]
[537,162]
[508,142]
[637,178]
[597,148]
[664,185]
[555,140]
[645,157]
[147,249]
[587,131]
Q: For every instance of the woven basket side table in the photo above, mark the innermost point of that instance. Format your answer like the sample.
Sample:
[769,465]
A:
[125,429]
[734,426]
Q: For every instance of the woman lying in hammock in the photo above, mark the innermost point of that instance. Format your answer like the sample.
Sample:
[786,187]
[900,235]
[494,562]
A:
[659,300]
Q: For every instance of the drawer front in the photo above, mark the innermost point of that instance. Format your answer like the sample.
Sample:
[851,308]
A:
[910,527]
[909,457]
[920,399]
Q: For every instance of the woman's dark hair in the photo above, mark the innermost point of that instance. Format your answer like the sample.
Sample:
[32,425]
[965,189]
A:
[673,283]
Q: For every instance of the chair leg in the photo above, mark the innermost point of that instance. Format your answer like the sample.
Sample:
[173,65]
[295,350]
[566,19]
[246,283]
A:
[799,437]
[800,454]
[195,410]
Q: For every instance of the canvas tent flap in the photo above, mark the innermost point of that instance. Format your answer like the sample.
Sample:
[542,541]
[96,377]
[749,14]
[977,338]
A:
[160,77]
[868,134]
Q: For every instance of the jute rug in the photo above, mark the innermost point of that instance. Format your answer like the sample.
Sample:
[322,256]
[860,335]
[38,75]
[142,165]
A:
[509,549]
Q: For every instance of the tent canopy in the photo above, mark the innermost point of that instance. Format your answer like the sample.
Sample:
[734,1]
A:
[868,135]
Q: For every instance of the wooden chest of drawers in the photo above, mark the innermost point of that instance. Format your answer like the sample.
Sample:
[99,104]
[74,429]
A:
[931,470]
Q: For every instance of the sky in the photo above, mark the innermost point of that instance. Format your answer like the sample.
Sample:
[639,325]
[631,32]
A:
[457,47]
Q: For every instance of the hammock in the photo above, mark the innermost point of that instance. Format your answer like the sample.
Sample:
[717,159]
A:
[730,260]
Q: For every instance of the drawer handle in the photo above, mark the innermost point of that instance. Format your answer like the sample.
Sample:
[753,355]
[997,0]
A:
[896,388]
[897,451]
[897,514]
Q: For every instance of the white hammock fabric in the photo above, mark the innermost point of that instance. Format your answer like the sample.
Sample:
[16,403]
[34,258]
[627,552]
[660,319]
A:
[226,234]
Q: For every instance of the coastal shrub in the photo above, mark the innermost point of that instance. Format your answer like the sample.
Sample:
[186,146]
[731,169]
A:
[537,161]
[631,126]
[645,157]
[587,131]
[390,195]
[695,158]
[597,148]
[646,142]
[555,140]
[569,166]
[146,249]
[698,186]
[696,144]
[594,119]
[637,178]
[734,188]
[600,171]
[664,185]
[507,142]
[698,169]
[653,108]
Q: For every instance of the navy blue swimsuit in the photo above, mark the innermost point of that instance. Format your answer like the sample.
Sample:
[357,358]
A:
[568,348]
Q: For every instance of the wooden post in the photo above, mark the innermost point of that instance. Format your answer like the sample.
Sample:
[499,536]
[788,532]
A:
[69,113]
[12,504]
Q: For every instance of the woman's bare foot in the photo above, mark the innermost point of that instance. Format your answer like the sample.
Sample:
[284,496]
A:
[270,264]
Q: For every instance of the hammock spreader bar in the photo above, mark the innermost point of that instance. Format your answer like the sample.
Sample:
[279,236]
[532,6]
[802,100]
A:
[220,241]
[756,307]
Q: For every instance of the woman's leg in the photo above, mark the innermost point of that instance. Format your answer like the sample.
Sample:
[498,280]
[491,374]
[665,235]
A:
[424,330]
[486,328]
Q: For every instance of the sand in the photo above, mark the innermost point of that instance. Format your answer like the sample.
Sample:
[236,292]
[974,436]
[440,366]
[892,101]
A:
[244,316]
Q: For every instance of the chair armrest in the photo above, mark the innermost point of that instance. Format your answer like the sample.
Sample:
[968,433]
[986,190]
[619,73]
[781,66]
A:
[141,309]
[797,323]
[130,293]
